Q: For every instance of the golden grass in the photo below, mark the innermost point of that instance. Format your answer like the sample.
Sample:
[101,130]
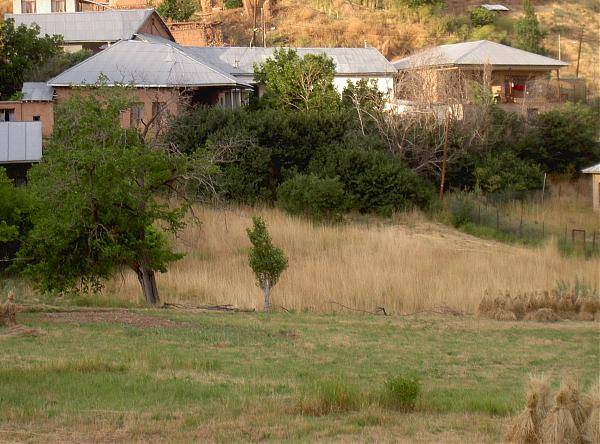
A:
[400,267]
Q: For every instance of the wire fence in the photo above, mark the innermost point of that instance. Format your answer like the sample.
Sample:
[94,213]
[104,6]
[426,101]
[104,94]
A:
[520,217]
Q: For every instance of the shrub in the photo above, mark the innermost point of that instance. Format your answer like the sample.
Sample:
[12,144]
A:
[233,4]
[462,209]
[401,393]
[330,396]
[177,10]
[313,197]
[480,16]
[373,180]
[504,171]
[564,139]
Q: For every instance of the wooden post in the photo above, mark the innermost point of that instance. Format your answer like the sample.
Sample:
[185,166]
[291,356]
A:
[445,156]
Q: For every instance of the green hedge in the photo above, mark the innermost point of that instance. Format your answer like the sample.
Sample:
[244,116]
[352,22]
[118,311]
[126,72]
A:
[314,197]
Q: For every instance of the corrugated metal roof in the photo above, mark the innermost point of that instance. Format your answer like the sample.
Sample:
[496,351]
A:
[144,64]
[93,26]
[37,92]
[495,7]
[594,169]
[477,53]
[241,60]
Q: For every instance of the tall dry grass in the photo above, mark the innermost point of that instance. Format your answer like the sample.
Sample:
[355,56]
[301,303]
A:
[400,267]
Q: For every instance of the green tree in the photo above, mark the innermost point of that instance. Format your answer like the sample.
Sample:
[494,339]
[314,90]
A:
[563,140]
[529,34]
[13,208]
[480,16]
[21,49]
[55,65]
[299,83]
[266,260]
[177,10]
[99,198]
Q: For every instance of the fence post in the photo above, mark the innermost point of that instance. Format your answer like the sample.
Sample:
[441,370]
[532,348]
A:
[521,222]
[497,219]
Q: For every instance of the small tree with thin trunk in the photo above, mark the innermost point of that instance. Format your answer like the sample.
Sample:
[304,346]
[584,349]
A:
[266,260]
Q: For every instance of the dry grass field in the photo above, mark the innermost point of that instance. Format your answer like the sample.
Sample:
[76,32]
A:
[408,265]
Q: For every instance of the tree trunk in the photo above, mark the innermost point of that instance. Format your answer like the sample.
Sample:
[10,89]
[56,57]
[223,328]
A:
[267,293]
[147,281]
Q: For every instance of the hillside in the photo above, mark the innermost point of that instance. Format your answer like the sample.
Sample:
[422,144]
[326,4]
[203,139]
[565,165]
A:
[398,30]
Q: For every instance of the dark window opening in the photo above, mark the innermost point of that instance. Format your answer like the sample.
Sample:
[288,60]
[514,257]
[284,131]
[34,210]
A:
[28,7]
[36,118]
[59,6]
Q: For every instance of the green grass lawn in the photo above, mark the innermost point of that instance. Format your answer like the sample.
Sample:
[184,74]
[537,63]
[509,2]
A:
[246,377]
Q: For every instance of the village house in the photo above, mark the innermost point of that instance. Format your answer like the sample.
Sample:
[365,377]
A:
[519,81]
[94,30]
[164,73]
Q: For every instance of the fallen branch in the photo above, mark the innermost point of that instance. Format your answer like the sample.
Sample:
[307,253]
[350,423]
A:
[225,307]
[441,310]
[380,310]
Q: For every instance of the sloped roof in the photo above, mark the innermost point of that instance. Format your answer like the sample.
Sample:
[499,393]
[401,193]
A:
[241,60]
[477,53]
[594,169]
[37,92]
[144,64]
[92,26]
[496,7]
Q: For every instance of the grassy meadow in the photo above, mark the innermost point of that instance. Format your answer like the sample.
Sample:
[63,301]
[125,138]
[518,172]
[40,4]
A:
[163,375]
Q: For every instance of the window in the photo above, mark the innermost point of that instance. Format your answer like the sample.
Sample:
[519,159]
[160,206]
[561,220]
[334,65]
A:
[7,115]
[28,6]
[135,115]
[59,6]
[36,118]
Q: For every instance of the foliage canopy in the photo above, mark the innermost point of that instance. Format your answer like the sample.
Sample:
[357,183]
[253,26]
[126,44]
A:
[22,49]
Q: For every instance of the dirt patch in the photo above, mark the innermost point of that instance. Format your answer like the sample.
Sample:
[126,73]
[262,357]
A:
[112,317]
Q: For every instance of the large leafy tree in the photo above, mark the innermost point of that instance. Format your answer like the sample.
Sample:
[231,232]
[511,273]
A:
[21,49]
[529,34]
[99,198]
[299,83]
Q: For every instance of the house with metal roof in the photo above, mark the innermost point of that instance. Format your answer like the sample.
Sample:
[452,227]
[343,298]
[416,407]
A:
[33,104]
[495,7]
[165,73]
[96,30]
[516,77]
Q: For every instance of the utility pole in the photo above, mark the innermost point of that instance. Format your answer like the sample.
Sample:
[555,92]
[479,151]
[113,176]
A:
[253,40]
[579,52]
[264,25]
